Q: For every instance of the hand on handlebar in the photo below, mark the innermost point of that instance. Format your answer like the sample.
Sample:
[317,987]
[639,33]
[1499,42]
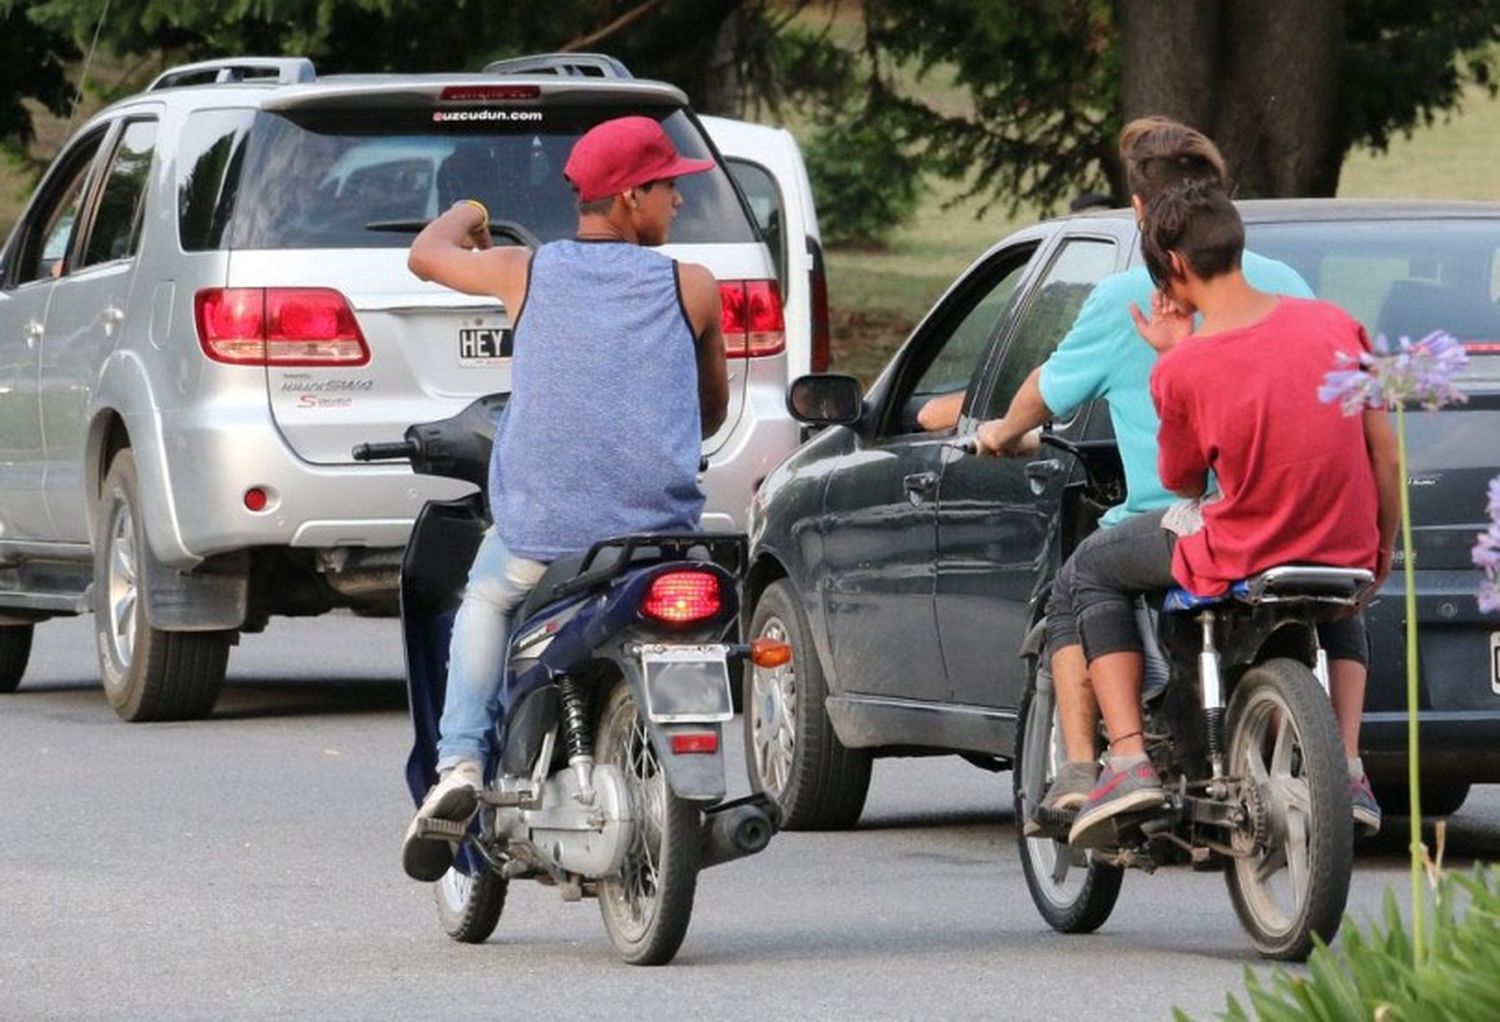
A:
[996,437]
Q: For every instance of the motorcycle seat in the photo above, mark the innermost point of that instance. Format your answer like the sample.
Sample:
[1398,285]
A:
[1281,584]
[564,569]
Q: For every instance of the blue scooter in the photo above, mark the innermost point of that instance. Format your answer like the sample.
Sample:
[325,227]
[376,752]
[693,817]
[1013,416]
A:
[609,782]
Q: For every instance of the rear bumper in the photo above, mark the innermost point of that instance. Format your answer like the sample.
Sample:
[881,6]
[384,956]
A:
[1458,701]
[209,457]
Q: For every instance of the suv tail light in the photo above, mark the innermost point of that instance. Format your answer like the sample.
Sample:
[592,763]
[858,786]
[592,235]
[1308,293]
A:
[278,326]
[683,597]
[822,334]
[751,312]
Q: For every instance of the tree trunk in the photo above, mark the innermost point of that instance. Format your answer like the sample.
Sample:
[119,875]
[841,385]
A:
[1259,77]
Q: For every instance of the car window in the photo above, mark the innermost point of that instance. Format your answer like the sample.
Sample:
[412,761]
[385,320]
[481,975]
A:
[1402,278]
[48,232]
[116,229]
[764,197]
[1078,266]
[208,154]
[360,178]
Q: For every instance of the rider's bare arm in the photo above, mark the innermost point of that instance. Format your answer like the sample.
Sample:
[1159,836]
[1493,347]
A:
[941,412]
[1380,439]
[700,296]
[1012,434]
[454,250]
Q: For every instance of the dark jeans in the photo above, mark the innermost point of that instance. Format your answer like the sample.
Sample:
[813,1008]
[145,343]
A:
[1094,593]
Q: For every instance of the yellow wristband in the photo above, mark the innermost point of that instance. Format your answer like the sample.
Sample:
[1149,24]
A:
[481,207]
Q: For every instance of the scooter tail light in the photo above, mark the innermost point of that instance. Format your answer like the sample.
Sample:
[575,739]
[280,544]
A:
[683,597]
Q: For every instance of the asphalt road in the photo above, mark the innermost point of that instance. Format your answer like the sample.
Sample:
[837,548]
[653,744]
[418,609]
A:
[246,867]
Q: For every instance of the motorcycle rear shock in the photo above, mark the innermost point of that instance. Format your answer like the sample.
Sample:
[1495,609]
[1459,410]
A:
[1212,688]
[575,726]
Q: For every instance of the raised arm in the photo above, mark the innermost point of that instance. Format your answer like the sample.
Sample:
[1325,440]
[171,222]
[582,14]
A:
[455,251]
[700,297]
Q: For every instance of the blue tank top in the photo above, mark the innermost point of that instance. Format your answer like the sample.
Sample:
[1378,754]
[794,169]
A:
[601,435]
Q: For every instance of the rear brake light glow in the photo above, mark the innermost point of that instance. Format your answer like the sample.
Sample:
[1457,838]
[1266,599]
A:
[686,742]
[279,326]
[750,312]
[482,93]
[683,597]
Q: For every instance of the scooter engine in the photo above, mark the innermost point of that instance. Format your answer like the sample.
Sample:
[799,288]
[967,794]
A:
[574,831]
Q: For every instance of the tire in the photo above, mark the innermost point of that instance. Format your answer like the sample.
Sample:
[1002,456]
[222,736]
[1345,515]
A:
[1282,736]
[148,674]
[15,651]
[1082,898]
[648,906]
[469,907]
[791,750]
[1437,799]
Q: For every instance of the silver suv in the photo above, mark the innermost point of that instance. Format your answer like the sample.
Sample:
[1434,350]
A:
[206,305]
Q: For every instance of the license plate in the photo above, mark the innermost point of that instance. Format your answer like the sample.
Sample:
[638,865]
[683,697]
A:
[686,684]
[483,347]
[1495,662]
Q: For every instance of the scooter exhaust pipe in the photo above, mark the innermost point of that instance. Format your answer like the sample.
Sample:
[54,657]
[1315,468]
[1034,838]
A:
[735,830]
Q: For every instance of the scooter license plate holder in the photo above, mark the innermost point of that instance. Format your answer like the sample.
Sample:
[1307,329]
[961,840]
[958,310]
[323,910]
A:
[687,684]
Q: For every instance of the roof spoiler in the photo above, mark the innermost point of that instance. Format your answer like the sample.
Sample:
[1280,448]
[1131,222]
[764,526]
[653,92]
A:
[572,65]
[256,70]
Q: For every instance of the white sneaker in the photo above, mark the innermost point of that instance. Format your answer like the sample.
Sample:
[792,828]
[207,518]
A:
[453,799]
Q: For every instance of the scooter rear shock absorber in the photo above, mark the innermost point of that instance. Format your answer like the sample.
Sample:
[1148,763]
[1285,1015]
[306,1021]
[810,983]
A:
[575,725]
[1213,694]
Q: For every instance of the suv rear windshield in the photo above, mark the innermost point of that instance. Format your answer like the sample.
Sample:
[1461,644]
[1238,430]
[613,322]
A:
[321,179]
[1402,278]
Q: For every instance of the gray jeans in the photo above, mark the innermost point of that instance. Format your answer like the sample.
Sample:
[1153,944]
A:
[1095,591]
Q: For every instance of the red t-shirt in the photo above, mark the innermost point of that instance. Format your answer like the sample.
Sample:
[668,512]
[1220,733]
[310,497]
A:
[1294,473]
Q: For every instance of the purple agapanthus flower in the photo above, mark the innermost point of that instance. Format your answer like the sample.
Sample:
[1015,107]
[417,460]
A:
[1487,553]
[1419,372]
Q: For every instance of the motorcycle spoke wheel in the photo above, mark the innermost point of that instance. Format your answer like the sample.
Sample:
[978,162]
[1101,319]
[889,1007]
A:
[1072,891]
[647,905]
[1292,879]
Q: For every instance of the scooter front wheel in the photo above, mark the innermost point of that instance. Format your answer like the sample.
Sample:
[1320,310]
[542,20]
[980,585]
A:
[1290,881]
[469,907]
[648,904]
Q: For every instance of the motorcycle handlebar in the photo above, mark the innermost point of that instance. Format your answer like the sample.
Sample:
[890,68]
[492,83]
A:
[404,449]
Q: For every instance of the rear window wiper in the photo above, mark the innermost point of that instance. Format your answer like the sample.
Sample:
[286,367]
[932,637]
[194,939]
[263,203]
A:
[519,233]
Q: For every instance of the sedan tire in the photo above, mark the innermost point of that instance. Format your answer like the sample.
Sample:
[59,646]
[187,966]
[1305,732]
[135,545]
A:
[791,749]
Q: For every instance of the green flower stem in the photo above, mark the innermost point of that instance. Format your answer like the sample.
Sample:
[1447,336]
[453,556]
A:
[1413,765]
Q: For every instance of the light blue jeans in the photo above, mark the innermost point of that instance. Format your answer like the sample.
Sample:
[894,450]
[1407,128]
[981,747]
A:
[499,583]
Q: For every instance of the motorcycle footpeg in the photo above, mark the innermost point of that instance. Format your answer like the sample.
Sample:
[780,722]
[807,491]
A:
[523,798]
[452,830]
[1053,823]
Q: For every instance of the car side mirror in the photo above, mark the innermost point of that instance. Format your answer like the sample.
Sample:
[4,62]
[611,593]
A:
[825,399]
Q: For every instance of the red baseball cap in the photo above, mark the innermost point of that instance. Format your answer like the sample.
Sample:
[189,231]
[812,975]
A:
[622,153]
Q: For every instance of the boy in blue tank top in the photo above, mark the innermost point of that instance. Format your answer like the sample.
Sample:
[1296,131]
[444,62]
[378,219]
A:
[568,468]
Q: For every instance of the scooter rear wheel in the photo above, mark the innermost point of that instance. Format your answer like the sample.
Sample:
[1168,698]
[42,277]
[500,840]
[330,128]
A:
[1294,883]
[469,907]
[648,905]
[1073,892]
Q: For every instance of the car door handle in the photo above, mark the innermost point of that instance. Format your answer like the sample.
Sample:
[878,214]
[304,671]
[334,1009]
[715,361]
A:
[33,333]
[113,314]
[920,485]
[1040,473]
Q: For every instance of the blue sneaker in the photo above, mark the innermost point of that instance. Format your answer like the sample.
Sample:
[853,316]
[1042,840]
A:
[1127,791]
[1366,809]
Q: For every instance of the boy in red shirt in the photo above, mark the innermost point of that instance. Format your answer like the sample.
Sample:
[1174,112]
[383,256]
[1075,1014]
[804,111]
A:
[1298,481]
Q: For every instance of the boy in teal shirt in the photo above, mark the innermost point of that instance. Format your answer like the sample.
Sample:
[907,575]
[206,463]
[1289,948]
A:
[1103,356]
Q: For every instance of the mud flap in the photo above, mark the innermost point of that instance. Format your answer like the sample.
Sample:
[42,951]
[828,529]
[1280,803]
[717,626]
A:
[695,776]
